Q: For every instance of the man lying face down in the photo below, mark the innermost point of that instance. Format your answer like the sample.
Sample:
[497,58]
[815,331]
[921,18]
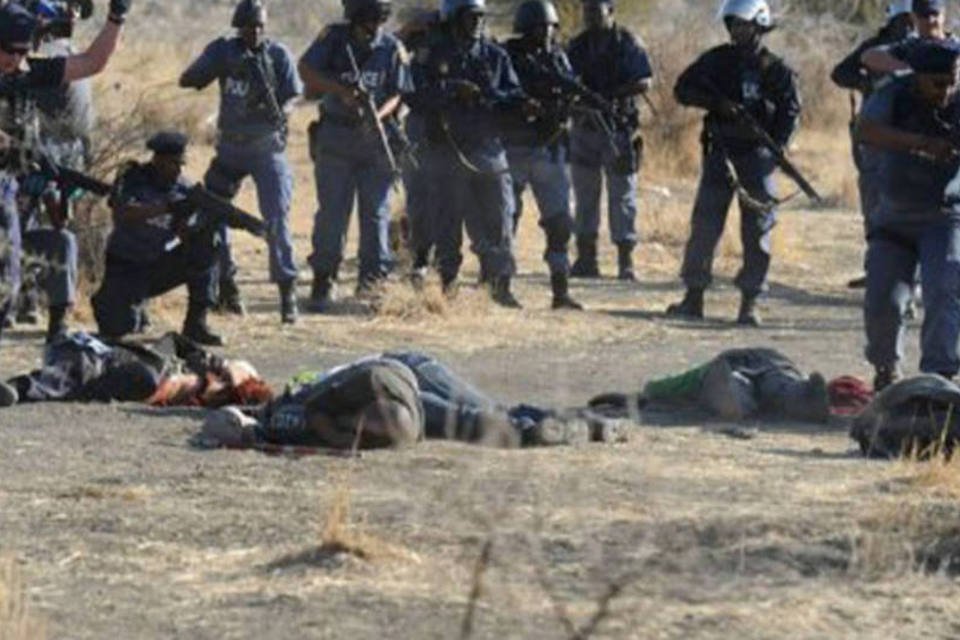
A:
[736,385]
[82,368]
[397,399]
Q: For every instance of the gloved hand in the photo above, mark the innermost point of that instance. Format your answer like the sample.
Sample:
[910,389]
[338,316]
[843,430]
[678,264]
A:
[119,8]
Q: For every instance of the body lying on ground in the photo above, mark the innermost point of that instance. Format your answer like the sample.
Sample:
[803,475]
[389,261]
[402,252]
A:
[174,371]
[397,399]
[736,385]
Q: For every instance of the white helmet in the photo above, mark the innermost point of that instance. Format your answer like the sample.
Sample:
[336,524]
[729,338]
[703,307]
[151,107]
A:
[756,11]
[899,7]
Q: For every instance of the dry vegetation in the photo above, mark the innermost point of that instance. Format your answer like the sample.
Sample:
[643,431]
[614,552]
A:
[17,621]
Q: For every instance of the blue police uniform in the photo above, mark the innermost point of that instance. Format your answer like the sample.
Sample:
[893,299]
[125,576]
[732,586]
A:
[537,150]
[468,161]
[146,259]
[917,222]
[350,163]
[254,88]
[766,87]
[18,116]
[607,62]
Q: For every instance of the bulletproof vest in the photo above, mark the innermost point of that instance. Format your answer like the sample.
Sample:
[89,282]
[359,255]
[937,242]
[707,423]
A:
[605,65]
[260,93]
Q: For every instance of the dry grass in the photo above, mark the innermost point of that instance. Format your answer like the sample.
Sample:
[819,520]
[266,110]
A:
[17,621]
[341,533]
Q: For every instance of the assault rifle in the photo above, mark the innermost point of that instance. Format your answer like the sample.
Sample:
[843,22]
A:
[371,115]
[746,119]
[216,210]
[266,94]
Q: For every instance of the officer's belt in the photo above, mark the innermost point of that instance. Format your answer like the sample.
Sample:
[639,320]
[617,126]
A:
[244,139]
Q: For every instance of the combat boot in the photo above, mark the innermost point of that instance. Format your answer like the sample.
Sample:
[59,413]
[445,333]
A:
[885,376]
[690,307]
[586,265]
[195,327]
[450,287]
[808,401]
[558,430]
[625,262]
[288,302]
[561,293]
[501,294]
[321,293]
[56,323]
[8,395]
[747,316]
[229,300]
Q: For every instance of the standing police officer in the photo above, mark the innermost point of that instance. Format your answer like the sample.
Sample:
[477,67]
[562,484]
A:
[912,123]
[851,74]
[612,62]
[929,21]
[741,75]
[465,84]
[351,163]
[151,250]
[258,80]
[537,149]
[20,77]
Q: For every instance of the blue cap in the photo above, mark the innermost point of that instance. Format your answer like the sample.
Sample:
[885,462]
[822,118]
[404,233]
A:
[934,58]
[168,143]
[927,7]
[16,26]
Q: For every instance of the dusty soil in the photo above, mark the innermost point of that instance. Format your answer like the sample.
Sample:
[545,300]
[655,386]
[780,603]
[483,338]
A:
[123,530]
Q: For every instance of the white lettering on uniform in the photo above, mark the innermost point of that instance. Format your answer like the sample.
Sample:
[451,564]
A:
[236,88]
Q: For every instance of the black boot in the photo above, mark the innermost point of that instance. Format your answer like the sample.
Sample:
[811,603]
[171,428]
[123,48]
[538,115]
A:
[56,322]
[288,302]
[229,300]
[450,286]
[586,265]
[885,376]
[321,293]
[501,294]
[747,316]
[625,262]
[195,327]
[690,307]
[27,309]
[561,293]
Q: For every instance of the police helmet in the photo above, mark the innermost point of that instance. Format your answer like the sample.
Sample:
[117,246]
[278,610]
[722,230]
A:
[450,8]
[535,13]
[248,12]
[755,11]
[899,8]
[367,10]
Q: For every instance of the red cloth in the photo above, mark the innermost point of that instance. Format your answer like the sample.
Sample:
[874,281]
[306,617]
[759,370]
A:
[849,395]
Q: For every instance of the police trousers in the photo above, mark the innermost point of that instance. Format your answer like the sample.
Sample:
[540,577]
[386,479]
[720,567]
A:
[544,170]
[117,305]
[893,253]
[266,162]
[593,159]
[51,255]
[10,245]
[754,171]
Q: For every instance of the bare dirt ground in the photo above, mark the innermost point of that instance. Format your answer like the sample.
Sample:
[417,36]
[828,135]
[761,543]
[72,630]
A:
[121,530]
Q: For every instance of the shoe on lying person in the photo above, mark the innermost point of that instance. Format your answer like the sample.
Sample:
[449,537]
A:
[8,395]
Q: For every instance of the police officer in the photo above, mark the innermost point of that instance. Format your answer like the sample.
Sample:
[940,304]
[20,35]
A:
[912,122]
[741,75]
[537,149]
[465,83]
[929,20]
[851,74]
[258,80]
[21,76]
[612,62]
[350,161]
[151,250]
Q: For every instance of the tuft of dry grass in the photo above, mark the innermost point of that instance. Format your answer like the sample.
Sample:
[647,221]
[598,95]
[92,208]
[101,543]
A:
[17,621]
[342,534]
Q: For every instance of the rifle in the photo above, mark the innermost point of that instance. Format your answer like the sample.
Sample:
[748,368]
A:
[267,95]
[779,155]
[217,210]
[371,114]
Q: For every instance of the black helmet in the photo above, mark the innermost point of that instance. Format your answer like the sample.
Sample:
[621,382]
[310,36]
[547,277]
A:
[535,13]
[367,10]
[248,12]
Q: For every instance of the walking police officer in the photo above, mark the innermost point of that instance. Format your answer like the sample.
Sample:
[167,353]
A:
[22,76]
[465,84]
[741,75]
[258,80]
[351,162]
[612,62]
[537,148]
[151,250]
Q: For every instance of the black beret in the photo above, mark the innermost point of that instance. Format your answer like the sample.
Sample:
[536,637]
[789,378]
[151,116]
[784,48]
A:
[926,7]
[16,25]
[168,143]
